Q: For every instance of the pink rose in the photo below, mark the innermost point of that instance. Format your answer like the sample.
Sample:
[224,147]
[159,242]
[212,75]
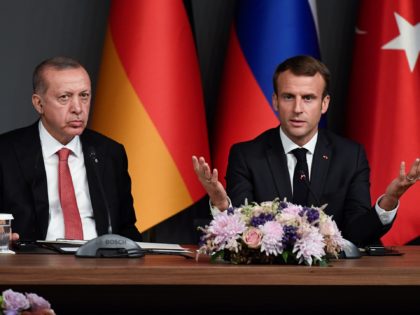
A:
[252,237]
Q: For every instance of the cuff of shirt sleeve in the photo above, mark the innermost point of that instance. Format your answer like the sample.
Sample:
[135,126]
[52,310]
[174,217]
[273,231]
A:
[214,210]
[386,217]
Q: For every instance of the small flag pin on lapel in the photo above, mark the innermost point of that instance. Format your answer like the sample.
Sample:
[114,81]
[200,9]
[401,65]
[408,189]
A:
[325,157]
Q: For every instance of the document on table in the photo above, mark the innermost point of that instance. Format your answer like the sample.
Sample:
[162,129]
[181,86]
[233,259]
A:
[71,246]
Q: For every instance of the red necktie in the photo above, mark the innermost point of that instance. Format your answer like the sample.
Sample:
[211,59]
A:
[72,223]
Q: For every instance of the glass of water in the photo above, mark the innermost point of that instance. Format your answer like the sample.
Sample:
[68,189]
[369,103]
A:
[5,231]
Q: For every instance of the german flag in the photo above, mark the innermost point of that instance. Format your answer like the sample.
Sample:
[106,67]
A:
[149,98]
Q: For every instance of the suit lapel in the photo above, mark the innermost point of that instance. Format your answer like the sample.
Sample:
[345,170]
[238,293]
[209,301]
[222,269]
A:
[92,151]
[278,164]
[320,166]
[28,147]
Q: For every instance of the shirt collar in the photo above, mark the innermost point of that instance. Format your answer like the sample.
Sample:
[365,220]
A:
[50,145]
[289,145]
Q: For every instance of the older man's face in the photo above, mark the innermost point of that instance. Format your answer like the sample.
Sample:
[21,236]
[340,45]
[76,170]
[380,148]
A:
[64,105]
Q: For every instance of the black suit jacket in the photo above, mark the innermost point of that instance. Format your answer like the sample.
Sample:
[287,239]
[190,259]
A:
[257,170]
[23,183]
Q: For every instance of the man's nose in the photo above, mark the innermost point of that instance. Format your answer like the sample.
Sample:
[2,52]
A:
[76,105]
[298,105]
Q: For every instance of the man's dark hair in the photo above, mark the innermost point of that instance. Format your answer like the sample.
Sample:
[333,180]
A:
[58,63]
[303,66]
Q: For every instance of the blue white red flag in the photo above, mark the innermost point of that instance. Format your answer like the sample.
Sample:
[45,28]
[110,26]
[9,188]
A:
[264,34]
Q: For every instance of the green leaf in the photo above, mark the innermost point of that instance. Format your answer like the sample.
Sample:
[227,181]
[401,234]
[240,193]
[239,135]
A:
[216,256]
[323,263]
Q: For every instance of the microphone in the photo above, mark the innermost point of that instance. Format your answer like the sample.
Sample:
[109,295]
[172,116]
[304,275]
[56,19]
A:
[94,160]
[35,183]
[107,245]
[303,178]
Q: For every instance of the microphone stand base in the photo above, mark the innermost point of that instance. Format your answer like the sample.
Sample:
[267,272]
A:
[110,246]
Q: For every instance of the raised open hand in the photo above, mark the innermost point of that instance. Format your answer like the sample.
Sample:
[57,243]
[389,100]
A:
[400,185]
[209,180]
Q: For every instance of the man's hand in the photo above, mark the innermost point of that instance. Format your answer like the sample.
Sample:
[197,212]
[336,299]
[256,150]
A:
[211,183]
[15,237]
[400,184]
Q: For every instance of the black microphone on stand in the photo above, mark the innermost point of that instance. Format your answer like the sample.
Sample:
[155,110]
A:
[107,245]
[349,250]
[303,178]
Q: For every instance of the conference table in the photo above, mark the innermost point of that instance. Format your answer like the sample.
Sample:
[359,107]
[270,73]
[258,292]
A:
[163,284]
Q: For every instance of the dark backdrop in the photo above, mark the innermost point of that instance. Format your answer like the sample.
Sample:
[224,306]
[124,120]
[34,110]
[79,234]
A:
[31,31]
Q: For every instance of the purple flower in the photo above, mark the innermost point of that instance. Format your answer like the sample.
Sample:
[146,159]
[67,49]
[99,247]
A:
[261,219]
[283,205]
[311,214]
[289,236]
[37,302]
[14,301]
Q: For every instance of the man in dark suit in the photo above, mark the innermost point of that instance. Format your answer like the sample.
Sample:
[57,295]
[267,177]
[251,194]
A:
[337,171]
[29,183]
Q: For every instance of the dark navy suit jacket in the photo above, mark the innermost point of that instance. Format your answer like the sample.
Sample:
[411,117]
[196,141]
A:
[23,183]
[257,170]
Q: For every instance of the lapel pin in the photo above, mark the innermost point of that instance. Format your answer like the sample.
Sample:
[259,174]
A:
[325,157]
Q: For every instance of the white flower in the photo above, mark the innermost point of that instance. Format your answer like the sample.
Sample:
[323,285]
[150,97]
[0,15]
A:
[332,236]
[291,215]
[272,238]
[310,244]
[226,230]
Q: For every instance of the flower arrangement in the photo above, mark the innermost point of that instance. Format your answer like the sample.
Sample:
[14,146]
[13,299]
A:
[274,232]
[14,303]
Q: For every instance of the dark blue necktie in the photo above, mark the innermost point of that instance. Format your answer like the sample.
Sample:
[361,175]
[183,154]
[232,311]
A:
[300,177]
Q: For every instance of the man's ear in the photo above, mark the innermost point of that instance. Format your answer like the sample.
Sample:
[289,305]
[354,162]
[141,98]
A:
[37,103]
[325,104]
[275,102]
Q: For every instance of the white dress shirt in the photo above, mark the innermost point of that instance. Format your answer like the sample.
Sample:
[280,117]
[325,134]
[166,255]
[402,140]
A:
[76,162]
[289,146]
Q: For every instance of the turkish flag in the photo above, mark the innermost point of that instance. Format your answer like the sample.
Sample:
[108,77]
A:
[384,106]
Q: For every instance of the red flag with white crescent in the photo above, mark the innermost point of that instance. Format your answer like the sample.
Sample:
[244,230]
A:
[384,112]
